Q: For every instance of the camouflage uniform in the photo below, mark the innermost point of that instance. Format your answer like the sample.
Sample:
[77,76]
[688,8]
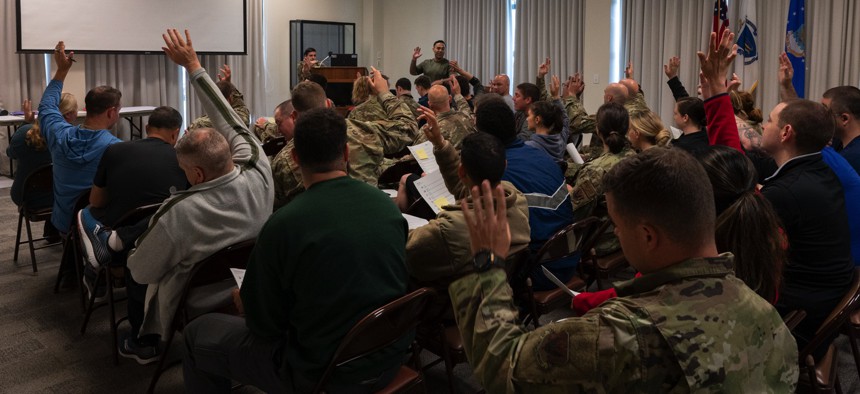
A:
[587,196]
[690,327]
[636,104]
[368,111]
[269,132]
[237,101]
[454,126]
[287,176]
[410,102]
[368,142]
[463,106]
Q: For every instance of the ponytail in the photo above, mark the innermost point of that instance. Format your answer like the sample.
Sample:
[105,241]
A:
[613,121]
[34,138]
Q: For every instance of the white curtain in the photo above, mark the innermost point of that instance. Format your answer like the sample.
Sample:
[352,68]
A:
[833,45]
[22,76]
[652,32]
[142,79]
[251,73]
[476,31]
[548,28]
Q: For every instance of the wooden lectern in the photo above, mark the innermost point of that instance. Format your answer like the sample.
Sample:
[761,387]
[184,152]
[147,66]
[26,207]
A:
[340,80]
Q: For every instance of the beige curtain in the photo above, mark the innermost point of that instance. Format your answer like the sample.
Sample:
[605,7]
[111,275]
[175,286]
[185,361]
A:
[548,28]
[655,30]
[476,31]
[22,76]
[833,45]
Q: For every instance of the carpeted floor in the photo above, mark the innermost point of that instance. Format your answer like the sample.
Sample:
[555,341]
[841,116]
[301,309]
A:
[42,350]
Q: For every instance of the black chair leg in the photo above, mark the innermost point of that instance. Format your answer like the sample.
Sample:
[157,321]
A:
[18,237]
[63,264]
[112,306]
[852,339]
[92,301]
[30,243]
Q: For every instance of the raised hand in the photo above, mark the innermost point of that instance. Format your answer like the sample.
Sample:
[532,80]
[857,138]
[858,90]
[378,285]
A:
[543,68]
[735,83]
[488,222]
[27,108]
[225,73]
[628,71]
[377,83]
[672,67]
[786,70]
[416,53]
[715,64]
[64,61]
[455,66]
[576,85]
[180,51]
[431,129]
[554,86]
[455,85]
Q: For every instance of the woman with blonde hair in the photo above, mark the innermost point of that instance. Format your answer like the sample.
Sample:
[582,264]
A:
[367,107]
[647,131]
[29,149]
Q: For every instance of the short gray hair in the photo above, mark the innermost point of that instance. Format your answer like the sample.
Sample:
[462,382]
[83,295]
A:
[205,148]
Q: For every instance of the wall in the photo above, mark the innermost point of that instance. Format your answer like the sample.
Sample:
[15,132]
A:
[409,24]
[596,48]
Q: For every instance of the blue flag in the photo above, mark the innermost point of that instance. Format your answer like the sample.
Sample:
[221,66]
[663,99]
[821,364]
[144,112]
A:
[795,43]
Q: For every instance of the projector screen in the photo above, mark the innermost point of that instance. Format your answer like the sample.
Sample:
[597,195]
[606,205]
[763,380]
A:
[112,26]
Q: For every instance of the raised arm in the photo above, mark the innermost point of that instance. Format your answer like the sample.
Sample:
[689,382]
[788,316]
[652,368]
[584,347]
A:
[671,70]
[446,156]
[413,66]
[786,75]
[477,86]
[49,107]
[722,129]
[245,147]
[399,128]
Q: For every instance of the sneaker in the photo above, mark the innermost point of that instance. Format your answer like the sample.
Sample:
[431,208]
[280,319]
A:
[129,347]
[100,288]
[94,238]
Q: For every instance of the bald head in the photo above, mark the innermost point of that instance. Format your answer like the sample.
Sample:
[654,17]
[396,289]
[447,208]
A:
[616,93]
[631,85]
[439,99]
[502,84]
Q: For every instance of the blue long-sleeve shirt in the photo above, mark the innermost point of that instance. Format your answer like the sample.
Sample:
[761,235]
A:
[75,151]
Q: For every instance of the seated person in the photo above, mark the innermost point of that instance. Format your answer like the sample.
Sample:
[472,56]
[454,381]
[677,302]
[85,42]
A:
[348,251]
[122,184]
[454,125]
[28,148]
[586,195]
[267,131]
[403,88]
[546,121]
[438,251]
[234,98]
[366,107]
[75,150]
[368,141]
[666,332]
[538,177]
[422,86]
[689,116]
[647,131]
[229,200]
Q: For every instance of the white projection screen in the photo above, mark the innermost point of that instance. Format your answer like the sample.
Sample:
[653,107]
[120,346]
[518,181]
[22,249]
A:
[130,26]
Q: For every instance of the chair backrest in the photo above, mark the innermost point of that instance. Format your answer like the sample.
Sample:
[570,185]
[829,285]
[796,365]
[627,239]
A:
[392,174]
[836,318]
[380,328]
[571,239]
[214,269]
[137,214]
[274,145]
[39,182]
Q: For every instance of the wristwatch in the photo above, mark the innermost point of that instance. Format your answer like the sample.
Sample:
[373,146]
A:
[486,259]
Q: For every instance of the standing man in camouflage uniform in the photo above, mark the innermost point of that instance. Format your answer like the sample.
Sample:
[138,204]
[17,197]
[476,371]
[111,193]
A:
[686,325]
[436,68]
[233,96]
[368,141]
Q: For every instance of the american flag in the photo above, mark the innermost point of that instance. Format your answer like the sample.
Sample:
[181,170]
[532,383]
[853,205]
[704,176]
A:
[720,14]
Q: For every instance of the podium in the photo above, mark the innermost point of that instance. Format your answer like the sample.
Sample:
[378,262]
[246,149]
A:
[340,80]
